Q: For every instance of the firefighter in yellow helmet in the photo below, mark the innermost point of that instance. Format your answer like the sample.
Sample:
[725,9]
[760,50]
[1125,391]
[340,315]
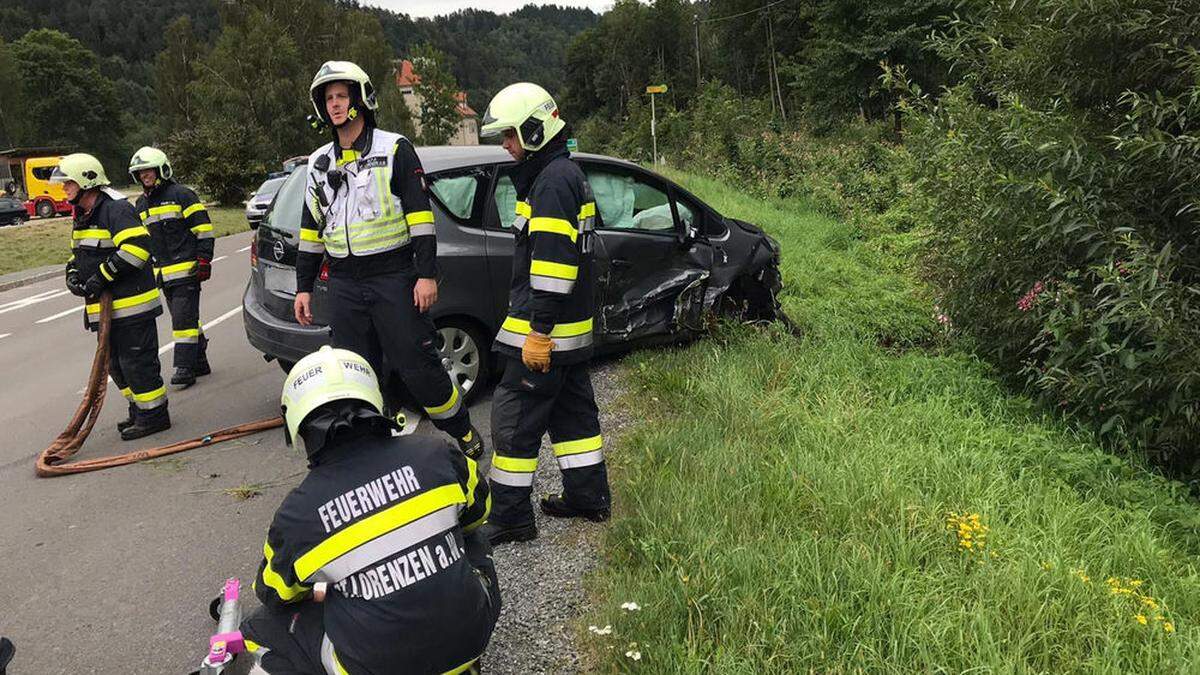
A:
[368,213]
[110,250]
[547,335]
[375,562]
[181,239]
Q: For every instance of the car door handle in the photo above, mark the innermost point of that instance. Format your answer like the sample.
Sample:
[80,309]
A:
[621,263]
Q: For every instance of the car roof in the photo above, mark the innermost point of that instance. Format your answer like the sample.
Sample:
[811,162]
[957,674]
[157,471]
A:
[436,158]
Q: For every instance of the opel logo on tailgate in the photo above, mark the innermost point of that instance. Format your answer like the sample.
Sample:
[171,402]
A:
[278,250]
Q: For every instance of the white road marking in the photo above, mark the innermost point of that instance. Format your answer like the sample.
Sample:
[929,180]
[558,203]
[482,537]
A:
[4,335]
[244,248]
[206,324]
[31,300]
[73,310]
[219,258]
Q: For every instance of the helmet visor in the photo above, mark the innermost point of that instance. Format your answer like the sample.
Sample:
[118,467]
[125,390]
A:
[58,176]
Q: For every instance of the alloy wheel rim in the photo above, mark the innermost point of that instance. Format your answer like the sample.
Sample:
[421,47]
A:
[460,356]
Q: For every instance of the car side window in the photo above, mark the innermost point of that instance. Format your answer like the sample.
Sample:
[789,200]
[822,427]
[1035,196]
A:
[457,192]
[627,202]
[506,200]
[42,172]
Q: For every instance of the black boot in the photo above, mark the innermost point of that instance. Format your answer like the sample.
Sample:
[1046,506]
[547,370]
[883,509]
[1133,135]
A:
[501,534]
[471,445]
[202,367]
[148,422]
[128,422]
[558,507]
[6,653]
[184,376]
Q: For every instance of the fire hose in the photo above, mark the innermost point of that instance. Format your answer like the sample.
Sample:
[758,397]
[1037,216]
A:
[54,460]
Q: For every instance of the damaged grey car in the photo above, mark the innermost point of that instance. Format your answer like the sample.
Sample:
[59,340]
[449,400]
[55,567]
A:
[665,262]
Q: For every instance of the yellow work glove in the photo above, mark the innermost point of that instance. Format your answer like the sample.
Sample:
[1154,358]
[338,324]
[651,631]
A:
[536,352]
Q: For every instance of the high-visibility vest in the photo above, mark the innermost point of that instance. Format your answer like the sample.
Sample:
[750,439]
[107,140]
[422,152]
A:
[361,216]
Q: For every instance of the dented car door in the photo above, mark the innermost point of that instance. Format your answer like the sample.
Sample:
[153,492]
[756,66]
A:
[652,267]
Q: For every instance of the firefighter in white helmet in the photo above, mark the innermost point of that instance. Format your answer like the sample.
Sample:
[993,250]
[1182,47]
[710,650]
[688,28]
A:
[367,213]
[547,335]
[375,562]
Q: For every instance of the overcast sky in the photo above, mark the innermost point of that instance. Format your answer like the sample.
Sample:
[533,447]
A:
[438,7]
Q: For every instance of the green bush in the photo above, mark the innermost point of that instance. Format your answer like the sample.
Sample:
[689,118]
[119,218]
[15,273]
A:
[1062,188]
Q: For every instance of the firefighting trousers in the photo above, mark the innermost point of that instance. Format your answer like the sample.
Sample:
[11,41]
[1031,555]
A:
[190,344]
[134,367]
[375,318]
[526,405]
[294,642]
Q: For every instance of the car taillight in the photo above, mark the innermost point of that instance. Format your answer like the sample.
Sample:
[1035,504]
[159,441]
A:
[254,250]
[324,270]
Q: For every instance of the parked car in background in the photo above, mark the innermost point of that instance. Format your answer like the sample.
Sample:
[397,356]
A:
[664,261]
[257,205]
[12,212]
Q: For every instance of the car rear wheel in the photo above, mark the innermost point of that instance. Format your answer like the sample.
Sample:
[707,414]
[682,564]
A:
[465,355]
[45,209]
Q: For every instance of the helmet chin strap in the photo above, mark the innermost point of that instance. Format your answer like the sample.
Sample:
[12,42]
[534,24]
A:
[351,115]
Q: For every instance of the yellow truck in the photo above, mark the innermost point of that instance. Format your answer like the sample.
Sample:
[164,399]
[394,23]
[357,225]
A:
[25,175]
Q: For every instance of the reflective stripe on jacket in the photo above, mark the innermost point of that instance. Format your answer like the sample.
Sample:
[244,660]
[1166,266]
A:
[180,231]
[112,242]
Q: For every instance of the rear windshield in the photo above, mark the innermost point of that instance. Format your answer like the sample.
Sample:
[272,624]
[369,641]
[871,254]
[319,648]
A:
[285,212]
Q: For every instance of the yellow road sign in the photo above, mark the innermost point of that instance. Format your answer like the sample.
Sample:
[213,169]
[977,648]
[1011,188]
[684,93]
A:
[656,89]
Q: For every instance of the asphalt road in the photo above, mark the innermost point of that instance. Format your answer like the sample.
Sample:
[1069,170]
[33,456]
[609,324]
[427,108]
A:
[112,571]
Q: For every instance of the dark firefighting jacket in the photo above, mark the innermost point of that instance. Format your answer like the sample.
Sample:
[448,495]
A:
[180,231]
[389,524]
[111,242]
[367,210]
[552,257]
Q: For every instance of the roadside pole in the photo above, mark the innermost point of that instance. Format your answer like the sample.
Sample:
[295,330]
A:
[652,90]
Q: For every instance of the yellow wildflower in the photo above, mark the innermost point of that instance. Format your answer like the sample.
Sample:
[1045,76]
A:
[1140,618]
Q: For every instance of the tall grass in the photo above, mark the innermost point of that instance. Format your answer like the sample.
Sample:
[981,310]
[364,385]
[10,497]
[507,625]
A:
[789,505]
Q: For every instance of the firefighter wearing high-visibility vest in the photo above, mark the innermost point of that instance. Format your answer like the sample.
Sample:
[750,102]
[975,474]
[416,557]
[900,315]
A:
[181,241]
[374,563]
[547,336]
[368,213]
[110,250]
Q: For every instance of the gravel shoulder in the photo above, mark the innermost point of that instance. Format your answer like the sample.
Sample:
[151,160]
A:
[542,581]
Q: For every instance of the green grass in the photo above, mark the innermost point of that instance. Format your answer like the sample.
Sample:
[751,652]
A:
[782,503]
[48,242]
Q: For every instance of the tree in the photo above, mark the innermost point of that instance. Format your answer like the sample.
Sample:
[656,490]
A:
[12,104]
[438,92]
[174,68]
[67,99]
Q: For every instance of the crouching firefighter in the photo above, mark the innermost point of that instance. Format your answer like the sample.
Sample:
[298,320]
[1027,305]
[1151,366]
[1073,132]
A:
[367,210]
[110,250]
[547,337]
[181,240]
[374,564]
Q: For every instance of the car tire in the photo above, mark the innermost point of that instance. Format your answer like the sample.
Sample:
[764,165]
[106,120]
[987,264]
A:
[286,366]
[465,355]
[45,209]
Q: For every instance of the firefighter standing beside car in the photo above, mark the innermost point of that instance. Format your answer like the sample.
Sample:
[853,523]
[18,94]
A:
[110,251]
[367,210]
[547,335]
[181,240]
